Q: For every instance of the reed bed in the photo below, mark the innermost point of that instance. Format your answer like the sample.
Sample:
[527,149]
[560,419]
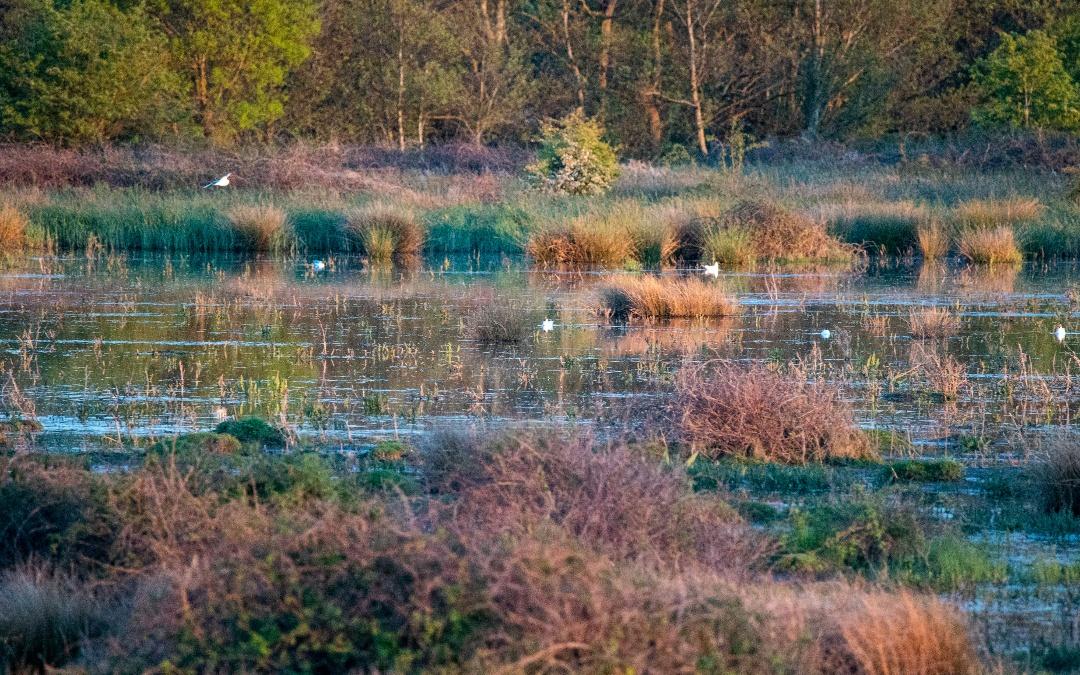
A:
[652,297]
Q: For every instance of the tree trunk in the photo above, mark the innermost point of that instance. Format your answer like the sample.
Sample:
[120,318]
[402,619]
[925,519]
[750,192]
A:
[606,27]
[815,85]
[202,96]
[652,95]
[695,84]
[578,77]
[401,87]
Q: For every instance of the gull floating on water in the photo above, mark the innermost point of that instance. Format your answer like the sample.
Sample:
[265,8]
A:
[826,334]
[712,270]
[547,326]
[1060,333]
[318,265]
[220,182]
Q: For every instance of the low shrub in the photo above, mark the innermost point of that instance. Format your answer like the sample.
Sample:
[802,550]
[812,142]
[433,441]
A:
[197,443]
[726,409]
[924,470]
[989,245]
[573,157]
[261,228]
[252,430]
[652,297]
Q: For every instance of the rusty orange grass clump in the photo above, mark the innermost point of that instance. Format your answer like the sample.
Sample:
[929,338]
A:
[651,297]
[13,226]
[727,409]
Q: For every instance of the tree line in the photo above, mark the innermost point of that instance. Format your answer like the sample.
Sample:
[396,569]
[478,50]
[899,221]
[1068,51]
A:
[663,77]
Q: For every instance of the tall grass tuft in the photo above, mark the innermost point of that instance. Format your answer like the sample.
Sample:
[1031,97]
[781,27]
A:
[732,245]
[261,228]
[651,297]
[13,225]
[933,239]
[933,322]
[891,227]
[726,409]
[989,245]
[387,233]
[603,239]
[500,324]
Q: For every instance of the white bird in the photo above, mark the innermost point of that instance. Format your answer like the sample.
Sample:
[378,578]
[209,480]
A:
[547,326]
[318,265]
[1060,333]
[220,182]
[712,270]
[826,334]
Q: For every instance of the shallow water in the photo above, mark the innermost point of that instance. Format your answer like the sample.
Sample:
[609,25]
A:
[103,350]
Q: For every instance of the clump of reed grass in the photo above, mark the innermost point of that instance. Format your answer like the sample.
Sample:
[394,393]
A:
[933,322]
[726,409]
[499,324]
[43,619]
[933,239]
[989,245]
[1057,475]
[733,245]
[982,214]
[13,226]
[386,233]
[652,297]
[782,235]
[592,239]
[261,228]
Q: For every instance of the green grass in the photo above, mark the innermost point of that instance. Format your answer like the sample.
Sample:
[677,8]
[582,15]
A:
[924,470]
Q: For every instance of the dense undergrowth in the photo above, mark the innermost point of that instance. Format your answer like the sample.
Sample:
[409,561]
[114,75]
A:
[531,552]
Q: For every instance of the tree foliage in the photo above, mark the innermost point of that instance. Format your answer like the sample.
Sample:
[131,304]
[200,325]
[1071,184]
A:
[1026,85]
[658,74]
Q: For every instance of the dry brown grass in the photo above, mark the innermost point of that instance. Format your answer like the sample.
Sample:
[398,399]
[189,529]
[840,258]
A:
[940,372]
[899,634]
[989,245]
[263,228]
[726,409]
[983,214]
[779,234]
[13,226]
[933,240]
[933,322]
[651,297]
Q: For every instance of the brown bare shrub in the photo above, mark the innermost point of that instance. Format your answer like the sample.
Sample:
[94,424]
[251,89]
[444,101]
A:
[1057,474]
[615,500]
[941,373]
[651,297]
[779,234]
[725,409]
[594,239]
